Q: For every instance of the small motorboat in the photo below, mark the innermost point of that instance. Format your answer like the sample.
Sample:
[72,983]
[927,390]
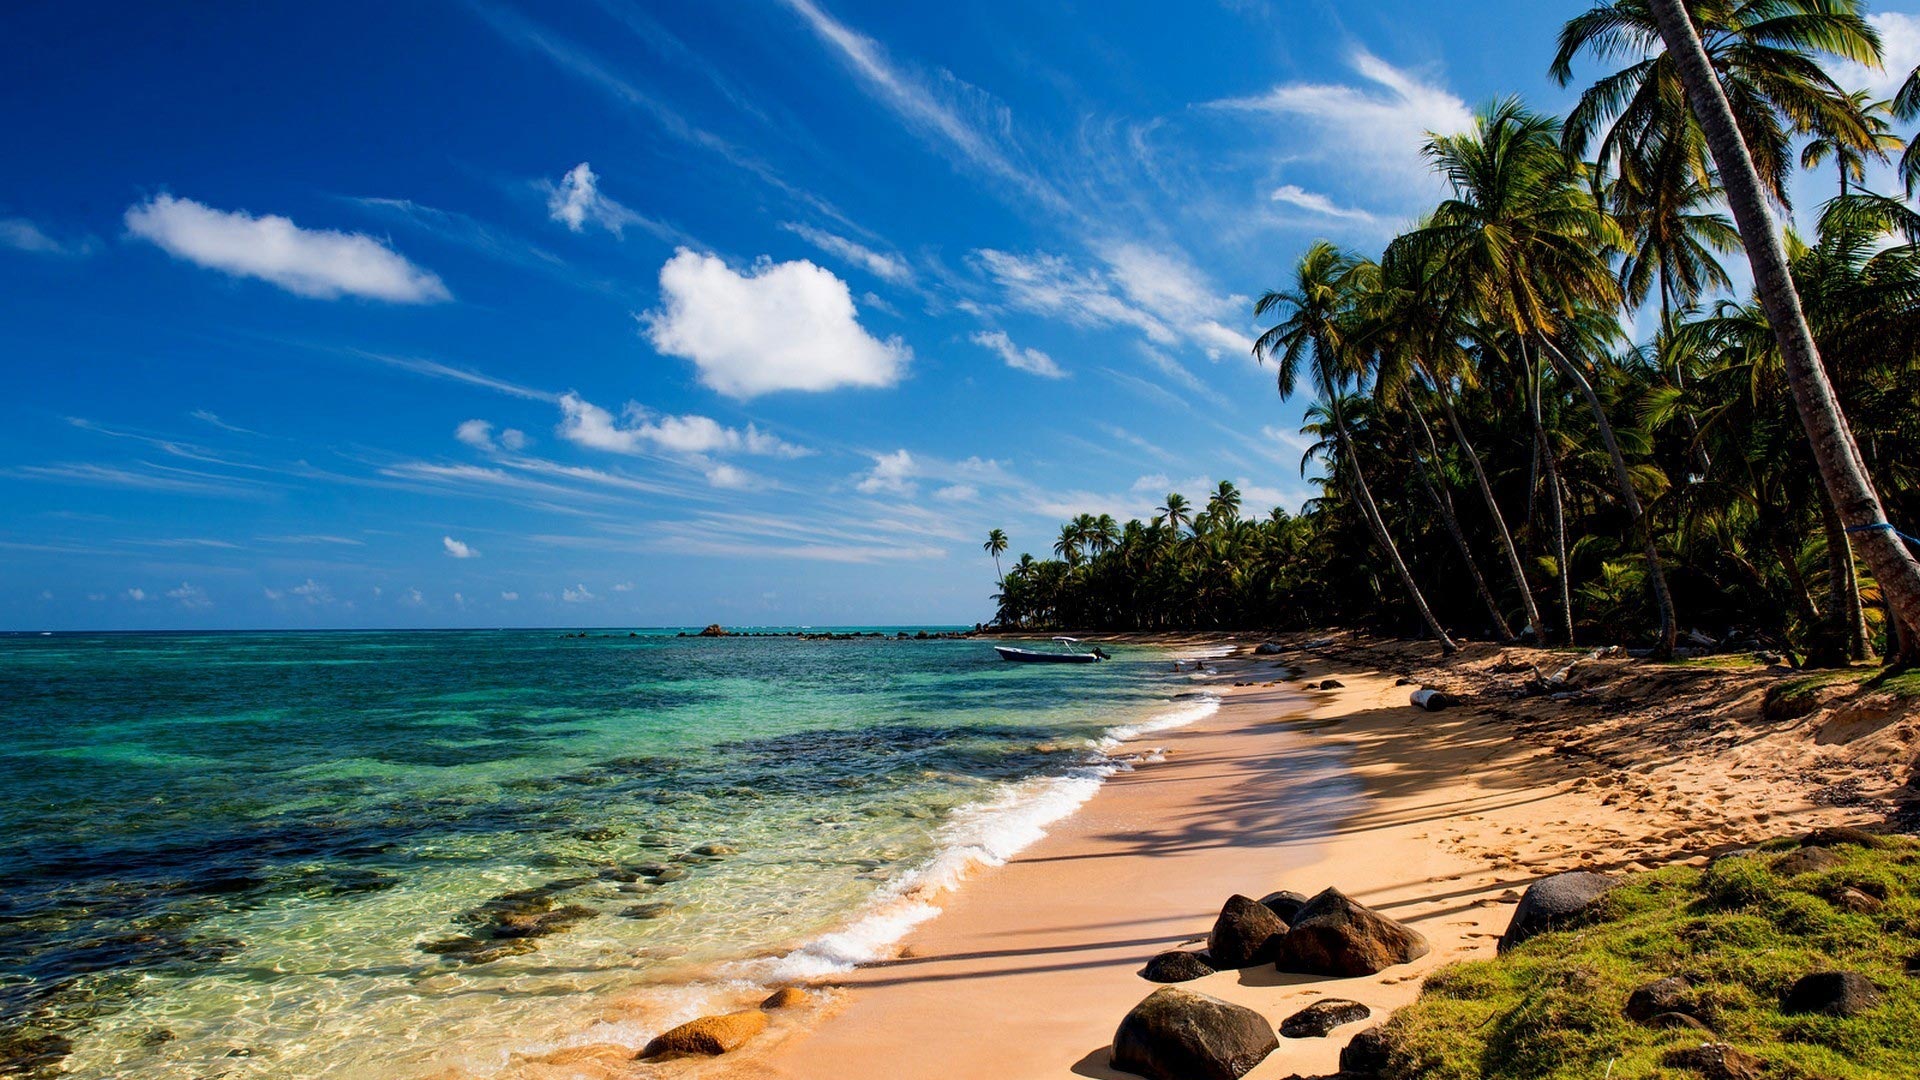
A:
[1066,654]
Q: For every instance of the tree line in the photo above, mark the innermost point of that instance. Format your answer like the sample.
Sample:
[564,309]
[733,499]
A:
[1498,455]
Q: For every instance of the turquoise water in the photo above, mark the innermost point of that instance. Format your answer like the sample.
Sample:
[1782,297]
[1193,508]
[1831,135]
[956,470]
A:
[398,853]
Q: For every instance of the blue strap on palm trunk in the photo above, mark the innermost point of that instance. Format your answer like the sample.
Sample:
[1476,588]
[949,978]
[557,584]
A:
[1883,525]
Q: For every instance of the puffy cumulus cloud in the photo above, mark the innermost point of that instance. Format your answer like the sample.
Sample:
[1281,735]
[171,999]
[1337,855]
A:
[312,592]
[1031,361]
[576,595]
[730,477]
[509,596]
[191,597]
[137,595]
[319,263]
[577,201]
[585,424]
[892,474]
[479,435]
[458,549]
[889,267]
[780,326]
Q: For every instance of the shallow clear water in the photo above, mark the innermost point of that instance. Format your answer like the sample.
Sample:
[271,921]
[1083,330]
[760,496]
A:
[389,853]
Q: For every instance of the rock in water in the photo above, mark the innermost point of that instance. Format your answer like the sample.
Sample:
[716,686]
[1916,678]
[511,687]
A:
[1314,1021]
[1175,966]
[709,1036]
[1334,935]
[1553,902]
[714,630]
[1177,1034]
[1245,934]
[1718,1061]
[1284,903]
[1835,993]
[1660,996]
[787,997]
[714,851]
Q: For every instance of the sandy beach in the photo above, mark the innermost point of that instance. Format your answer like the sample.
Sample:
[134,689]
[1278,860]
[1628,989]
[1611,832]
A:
[1437,819]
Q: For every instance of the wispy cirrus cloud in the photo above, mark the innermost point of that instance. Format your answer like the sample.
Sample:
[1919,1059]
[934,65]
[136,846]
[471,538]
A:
[585,424]
[20,234]
[1031,361]
[577,201]
[322,264]
[888,267]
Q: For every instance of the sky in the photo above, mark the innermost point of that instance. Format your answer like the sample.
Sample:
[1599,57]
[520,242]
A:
[620,313]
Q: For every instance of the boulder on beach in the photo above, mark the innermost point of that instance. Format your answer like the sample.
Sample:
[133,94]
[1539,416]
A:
[1367,1054]
[1335,935]
[1246,933]
[1331,684]
[1269,648]
[709,1036]
[1321,1017]
[1831,993]
[787,997]
[1554,902]
[1285,903]
[1176,1034]
[1176,965]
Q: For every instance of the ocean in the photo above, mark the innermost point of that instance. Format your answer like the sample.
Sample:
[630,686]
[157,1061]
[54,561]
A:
[400,853]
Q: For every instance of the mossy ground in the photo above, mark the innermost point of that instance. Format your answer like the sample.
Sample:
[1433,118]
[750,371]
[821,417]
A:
[1551,1008]
[1866,678]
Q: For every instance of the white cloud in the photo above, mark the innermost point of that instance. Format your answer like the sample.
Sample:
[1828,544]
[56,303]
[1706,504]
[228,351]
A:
[576,595]
[1374,130]
[881,265]
[23,235]
[1032,361]
[577,201]
[514,439]
[585,424]
[781,326]
[319,263]
[191,597]
[1157,293]
[892,474]
[509,596]
[413,597]
[458,549]
[312,592]
[957,493]
[138,596]
[729,477]
[1899,54]
[1315,203]
[475,433]
[1051,285]
[624,586]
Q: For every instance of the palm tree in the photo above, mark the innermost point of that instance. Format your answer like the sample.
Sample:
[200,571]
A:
[996,546]
[1849,152]
[1177,511]
[1224,504]
[1843,471]
[1527,245]
[1068,544]
[1312,332]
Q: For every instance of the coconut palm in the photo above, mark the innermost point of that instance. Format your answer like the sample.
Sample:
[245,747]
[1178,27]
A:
[1176,512]
[1849,152]
[1842,469]
[996,546]
[1224,504]
[1312,333]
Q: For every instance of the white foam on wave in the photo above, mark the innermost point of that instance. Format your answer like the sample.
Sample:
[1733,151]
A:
[987,833]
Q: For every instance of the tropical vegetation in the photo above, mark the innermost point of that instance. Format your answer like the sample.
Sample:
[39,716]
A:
[1542,410]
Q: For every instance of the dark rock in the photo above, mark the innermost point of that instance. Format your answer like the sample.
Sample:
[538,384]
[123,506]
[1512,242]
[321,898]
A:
[1834,993]
[1718,1061]
[1367,1054]
[709,1036]
[1667,995]
[1334,935]
[1284,903]
[713,630]
[1245,934]
[646,911]
[472,950]
[1839,836]
[1269,648]
[1404,681]
[1176,1034]
[1176,965]
[598,835]
[671,874]
[1331,684]
[714,851]
[1808,860]
[1314,1021]
[1851,899]
[1554,902]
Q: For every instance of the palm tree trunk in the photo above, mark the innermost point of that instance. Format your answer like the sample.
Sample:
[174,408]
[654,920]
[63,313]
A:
[1843,587]
[1842,471]
[1493,508]
[1702,461]
[1379,525]
[1656,575]
[1543,454]
[1443,503]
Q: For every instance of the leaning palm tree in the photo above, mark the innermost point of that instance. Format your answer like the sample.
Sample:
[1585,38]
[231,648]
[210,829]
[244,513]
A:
[1312,332]
[1524,240]
[996,546]
[1842,470]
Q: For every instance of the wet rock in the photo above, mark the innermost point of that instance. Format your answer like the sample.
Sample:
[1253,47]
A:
[1246,933]
[1669,995]
[1176,965]
[1176,1034]
[716,850]
[1335,935]
[1832,993]
[1808,860]
[787,997]
[1718,1061]
[531,924]
[1321,1017]
[647,911]
[472,950]
[1839,836]
[598,835]
[713,630]
[1367,1054]
[709,1036]
[672,874]
[1554,902]
[1284,903]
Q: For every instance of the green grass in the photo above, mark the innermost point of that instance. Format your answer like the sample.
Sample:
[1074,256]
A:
[1904,684]
[1551,1008]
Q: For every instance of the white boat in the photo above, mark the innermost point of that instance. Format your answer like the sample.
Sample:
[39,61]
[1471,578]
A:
[1061,655]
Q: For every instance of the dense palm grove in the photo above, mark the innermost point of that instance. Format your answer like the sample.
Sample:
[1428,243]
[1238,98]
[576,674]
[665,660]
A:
[1499,457]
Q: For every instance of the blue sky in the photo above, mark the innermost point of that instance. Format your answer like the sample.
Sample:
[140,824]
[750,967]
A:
[622,313]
